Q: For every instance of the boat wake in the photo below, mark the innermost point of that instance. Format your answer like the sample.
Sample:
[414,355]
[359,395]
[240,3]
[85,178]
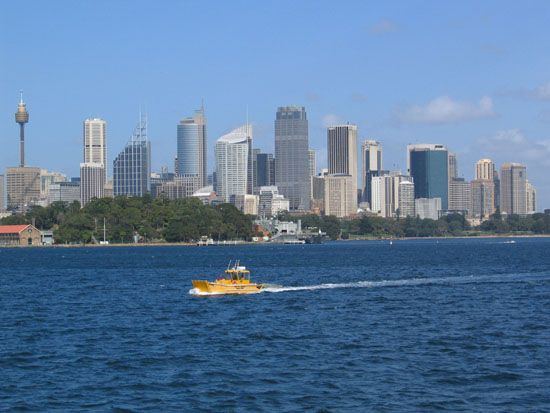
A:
[417,281]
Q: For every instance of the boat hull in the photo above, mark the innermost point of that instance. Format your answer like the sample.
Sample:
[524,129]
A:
[209,287]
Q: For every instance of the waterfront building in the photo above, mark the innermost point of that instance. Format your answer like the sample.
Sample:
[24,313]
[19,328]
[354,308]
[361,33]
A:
[427,208]
[292,174]
[247,203]
[513,189]
[406,199]
[177,188]
[312,159]
[132,166]
[531,194]
[340,195]
[371,165]
[232,162]
[22,187]
[67,192]
[271,202]
[192,147]
[483,198]
[20,235]
[428,166]
[92,182]
[460,196]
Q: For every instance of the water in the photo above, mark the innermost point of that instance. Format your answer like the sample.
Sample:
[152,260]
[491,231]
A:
[457,325]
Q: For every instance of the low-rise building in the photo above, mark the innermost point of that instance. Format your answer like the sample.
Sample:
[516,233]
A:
[22,235]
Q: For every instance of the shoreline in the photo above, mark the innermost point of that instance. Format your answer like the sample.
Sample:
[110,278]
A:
[248,243]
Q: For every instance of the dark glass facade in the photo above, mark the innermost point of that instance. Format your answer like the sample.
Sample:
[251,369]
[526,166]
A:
[429,169]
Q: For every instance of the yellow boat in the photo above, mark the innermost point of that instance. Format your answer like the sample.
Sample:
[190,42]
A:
[235,281]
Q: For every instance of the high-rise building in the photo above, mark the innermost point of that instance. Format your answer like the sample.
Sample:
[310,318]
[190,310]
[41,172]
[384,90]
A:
[132,166]
[531,198]
[2,194]
[95,142]
[92,181]
[513,189]
[340,195]
[291,156]
[453,166]
[192,147]
[178,187]
[264,171]
[247,203]
[22,117]
[93,169]
[406,199]
[23,188]
[428,165]
[318,194]
[312,157]
[385,193]
[460,196]
[232,166]
[483,198]
[485,169]
[371,165]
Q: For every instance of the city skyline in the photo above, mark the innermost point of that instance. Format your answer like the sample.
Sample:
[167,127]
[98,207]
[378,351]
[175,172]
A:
[495,107]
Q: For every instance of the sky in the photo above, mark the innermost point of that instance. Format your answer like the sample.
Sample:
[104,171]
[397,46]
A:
[472,75]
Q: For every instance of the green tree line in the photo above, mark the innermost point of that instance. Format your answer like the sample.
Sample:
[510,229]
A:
[159,219]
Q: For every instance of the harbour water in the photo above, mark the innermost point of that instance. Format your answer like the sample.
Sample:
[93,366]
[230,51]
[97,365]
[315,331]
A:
[420,325]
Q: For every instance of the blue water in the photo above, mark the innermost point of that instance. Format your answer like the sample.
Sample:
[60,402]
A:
[456,325]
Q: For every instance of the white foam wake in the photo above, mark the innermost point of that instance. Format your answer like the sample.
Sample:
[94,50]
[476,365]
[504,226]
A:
[416,281]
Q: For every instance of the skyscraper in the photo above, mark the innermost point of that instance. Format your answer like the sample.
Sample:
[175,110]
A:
[340,195]
[460,196]
[371,165]
[291,156]
[513,189]
[93,170]
[483,198]
[265,170]
[22,117]
[232,162]
[95,142]
[428,165]
[406,199]
[531,198]
[132,167]
[92,181]
[312,157]
[485,169]
[453,167]
[192,147]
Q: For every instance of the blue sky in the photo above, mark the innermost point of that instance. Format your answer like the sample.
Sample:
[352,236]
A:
[472,75]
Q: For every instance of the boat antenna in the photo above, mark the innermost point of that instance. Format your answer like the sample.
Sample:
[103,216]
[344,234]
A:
[229,265]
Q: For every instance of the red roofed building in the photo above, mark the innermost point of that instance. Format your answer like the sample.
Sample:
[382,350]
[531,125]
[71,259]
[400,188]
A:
[25,234]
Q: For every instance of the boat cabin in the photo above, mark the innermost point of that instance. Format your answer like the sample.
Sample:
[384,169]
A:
[237,273]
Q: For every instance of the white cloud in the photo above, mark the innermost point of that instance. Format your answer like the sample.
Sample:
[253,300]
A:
[512,144]
[384,26]
[445,110]
[331,120]
[542,92]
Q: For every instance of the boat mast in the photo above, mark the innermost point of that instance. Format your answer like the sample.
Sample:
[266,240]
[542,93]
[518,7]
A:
[104,230]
